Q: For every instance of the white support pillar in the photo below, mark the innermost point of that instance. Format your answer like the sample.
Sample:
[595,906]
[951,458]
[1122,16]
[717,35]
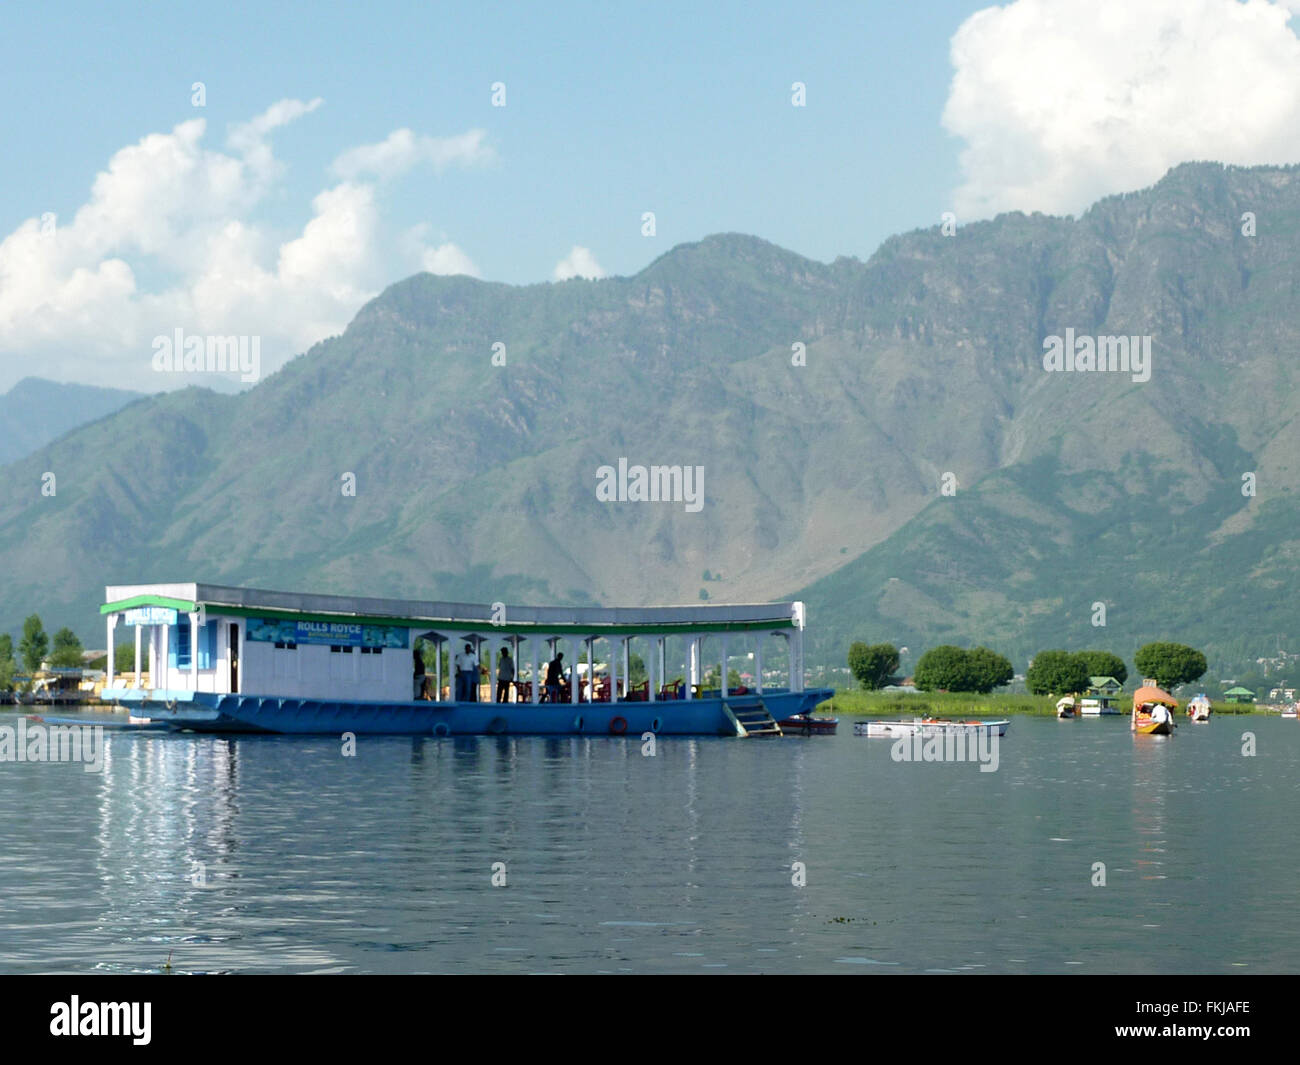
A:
[652,692]
[723,675]
[157,654]
[692,665]
[194,652]
[613,669]
[139,638]
[537,680]
[663,661]
[574,682]
[758,663]
[112,624]
[164,651]
[627,666]
[796,660]
[437,668]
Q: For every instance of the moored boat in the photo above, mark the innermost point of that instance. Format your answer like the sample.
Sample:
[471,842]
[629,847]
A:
[1198,709]
[1290,711]
[808,725]
[249,660]
[928,726]
[1153,711]
[1067,707]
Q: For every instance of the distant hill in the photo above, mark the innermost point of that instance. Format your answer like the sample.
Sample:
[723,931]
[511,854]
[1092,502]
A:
[36,411]
[821,480]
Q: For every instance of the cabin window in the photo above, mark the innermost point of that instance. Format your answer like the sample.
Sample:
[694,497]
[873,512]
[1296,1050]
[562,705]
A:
[178,646]
[179,651]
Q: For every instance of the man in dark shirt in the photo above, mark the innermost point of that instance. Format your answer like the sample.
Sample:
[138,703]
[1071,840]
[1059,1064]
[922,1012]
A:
[554,678]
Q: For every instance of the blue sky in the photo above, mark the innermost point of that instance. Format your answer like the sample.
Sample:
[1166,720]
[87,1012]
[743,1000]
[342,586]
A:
[611,110]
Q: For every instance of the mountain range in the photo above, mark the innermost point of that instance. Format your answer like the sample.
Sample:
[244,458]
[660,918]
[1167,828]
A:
[880,438]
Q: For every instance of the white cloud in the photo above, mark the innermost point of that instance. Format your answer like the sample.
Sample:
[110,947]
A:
[448,259]
[73,307]
[1061,102]
[402,150]
[578,263]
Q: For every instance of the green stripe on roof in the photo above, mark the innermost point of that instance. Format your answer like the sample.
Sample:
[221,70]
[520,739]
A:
[183,605]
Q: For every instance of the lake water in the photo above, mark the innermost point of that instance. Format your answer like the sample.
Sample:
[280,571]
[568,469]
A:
[618,862]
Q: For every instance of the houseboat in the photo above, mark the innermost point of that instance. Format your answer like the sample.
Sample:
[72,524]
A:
[224,659]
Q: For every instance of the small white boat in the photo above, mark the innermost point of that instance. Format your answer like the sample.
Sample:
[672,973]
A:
[1290,711]
[928,726]
[1067,707]
[1198,709]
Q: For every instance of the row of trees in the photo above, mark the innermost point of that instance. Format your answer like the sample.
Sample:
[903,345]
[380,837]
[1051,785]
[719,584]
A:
[948,668]
[34,648]
[955,669]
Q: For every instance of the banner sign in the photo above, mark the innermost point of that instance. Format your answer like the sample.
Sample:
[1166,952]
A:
[336,633]
[150,615]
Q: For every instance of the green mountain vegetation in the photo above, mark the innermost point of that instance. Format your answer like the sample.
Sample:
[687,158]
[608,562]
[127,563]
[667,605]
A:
[36,411]
[912,471]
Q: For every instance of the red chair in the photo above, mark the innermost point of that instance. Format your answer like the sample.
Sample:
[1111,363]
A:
[640,693]
[671,691]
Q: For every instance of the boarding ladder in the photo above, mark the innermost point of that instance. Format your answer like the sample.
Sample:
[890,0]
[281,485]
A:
[752,716]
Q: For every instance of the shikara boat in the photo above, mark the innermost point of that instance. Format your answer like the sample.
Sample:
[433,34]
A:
[1153,711]
[1198,709]
[1067,707]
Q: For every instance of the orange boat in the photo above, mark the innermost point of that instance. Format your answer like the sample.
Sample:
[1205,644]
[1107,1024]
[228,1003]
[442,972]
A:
[1153,711]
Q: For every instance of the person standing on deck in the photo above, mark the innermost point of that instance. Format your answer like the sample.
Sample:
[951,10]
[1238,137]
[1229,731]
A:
[467,676]
[419,674]
[505,675]
[554,678]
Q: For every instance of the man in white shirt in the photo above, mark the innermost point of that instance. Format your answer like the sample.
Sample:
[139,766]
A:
[467,676]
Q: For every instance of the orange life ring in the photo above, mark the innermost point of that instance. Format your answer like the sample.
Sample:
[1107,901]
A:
[617,726]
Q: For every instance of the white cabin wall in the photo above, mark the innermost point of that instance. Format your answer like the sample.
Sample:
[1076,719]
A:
[313,671]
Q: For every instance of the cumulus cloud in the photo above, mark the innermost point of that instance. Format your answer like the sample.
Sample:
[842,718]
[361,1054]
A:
[578,263]
[448,259]
[1061,102]
[72,305]
[403,150]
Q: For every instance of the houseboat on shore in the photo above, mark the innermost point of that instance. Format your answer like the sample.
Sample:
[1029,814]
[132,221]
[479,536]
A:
[248,660]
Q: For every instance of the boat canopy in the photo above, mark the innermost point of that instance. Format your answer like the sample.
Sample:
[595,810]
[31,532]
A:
[457,617]
[1151,694]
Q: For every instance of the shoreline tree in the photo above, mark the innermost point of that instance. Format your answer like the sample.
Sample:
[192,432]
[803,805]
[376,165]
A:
[35,644]
[1170,664]
[873,664]
[1057,673]
[1104,664]
[954,669]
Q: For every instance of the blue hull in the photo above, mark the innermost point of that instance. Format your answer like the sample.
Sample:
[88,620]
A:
[206,712]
